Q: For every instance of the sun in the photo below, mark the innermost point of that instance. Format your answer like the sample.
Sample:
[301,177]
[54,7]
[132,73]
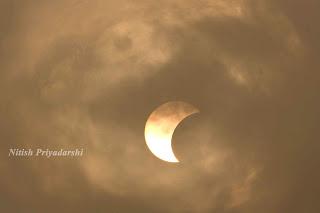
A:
[160,127]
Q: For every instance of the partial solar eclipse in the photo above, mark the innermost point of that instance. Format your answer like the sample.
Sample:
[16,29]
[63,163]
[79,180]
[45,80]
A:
[160,127]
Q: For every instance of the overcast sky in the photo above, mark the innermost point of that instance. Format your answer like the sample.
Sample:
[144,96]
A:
[88,73]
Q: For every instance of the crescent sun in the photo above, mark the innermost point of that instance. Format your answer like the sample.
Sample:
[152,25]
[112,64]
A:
[160,127]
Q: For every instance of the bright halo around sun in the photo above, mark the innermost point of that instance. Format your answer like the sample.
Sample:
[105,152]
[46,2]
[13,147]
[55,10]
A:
[160,127]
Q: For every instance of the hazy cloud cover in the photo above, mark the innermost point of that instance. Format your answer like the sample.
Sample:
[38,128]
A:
[87,74]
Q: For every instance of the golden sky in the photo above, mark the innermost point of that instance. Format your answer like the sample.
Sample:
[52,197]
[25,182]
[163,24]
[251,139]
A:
[88,73]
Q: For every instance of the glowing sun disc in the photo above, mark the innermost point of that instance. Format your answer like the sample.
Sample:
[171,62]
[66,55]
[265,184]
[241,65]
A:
[160,127]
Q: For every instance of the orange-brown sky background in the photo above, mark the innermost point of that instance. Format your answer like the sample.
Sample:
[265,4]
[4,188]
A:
[87,74]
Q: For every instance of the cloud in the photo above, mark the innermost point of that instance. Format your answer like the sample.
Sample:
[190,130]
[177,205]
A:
[89,73]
